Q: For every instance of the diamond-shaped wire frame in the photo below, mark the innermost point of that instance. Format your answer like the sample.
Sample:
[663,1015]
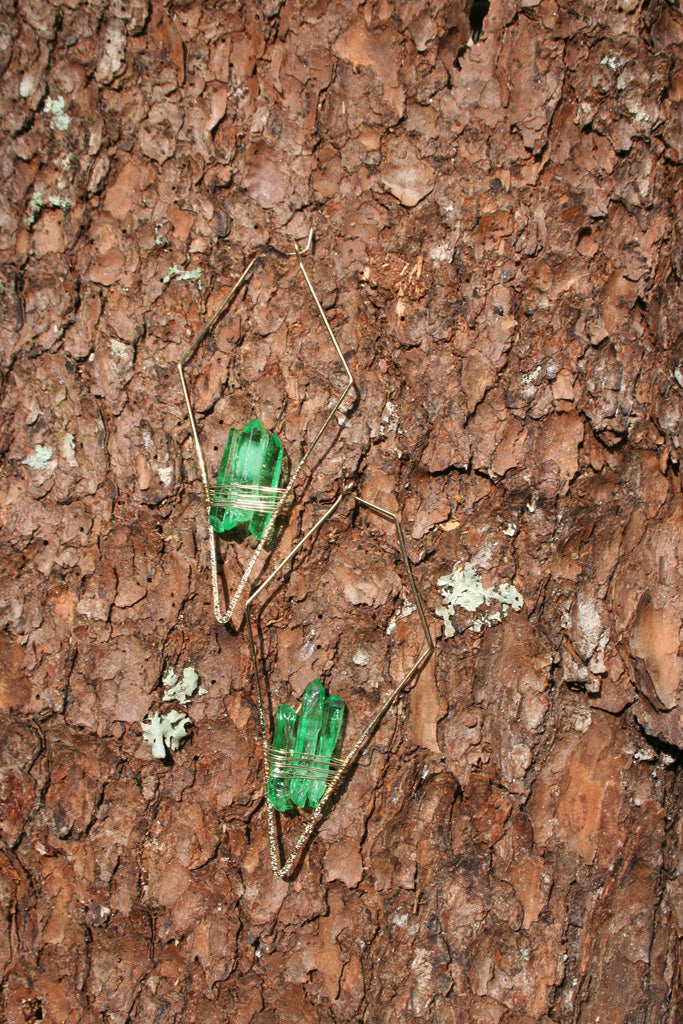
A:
[281,867]
[268,250]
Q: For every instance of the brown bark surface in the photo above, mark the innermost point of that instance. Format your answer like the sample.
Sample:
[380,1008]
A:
[499,248]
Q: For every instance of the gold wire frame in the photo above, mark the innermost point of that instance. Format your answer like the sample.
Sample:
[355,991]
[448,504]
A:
[339,767]
[259,501]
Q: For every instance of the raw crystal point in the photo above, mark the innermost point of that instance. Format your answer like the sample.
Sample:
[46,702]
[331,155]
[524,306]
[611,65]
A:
[280,773]
[307,733]
[333,716]
[302,749]
[252,459]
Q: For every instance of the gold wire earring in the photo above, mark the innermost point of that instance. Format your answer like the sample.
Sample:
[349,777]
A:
[299,762]
[252,488]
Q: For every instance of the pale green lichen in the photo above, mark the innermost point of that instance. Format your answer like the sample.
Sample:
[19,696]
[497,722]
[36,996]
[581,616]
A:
[119,348]
[160,233]
[463,588]
[35,205]
[532,377]
[56,110]
[59,202]
[182,690]
[165,732]
[179,274]
[41,458]
[403,613]
[614,63]
[38,202]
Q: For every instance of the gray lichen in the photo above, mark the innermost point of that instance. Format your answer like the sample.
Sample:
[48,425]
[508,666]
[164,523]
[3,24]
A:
[38,202]
[179,274]
[167,731]
[164,732]
[182,690]
[463,588]
[56,110]
[41,458]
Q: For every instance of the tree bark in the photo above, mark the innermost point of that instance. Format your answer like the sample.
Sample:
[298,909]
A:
[497,210]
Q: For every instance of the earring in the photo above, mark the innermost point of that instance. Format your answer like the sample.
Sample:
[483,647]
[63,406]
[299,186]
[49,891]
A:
[301,768]
[252,488]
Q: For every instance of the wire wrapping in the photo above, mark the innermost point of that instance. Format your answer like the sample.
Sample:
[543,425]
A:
[281,763]
[246,497]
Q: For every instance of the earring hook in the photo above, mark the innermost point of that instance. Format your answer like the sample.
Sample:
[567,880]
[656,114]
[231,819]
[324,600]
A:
[224,617]
[342,765]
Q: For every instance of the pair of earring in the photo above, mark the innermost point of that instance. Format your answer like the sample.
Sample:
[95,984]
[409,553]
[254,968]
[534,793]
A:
[253,492]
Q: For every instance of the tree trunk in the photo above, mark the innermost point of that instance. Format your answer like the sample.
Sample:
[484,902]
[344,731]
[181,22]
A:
[497,209]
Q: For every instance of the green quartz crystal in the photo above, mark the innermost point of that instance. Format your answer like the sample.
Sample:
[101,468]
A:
[333,716]
[307,733]
[280,773]
[306,745]
[253,459]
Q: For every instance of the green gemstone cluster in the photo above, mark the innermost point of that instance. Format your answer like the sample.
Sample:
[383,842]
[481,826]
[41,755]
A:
[247,487]
[302,749]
